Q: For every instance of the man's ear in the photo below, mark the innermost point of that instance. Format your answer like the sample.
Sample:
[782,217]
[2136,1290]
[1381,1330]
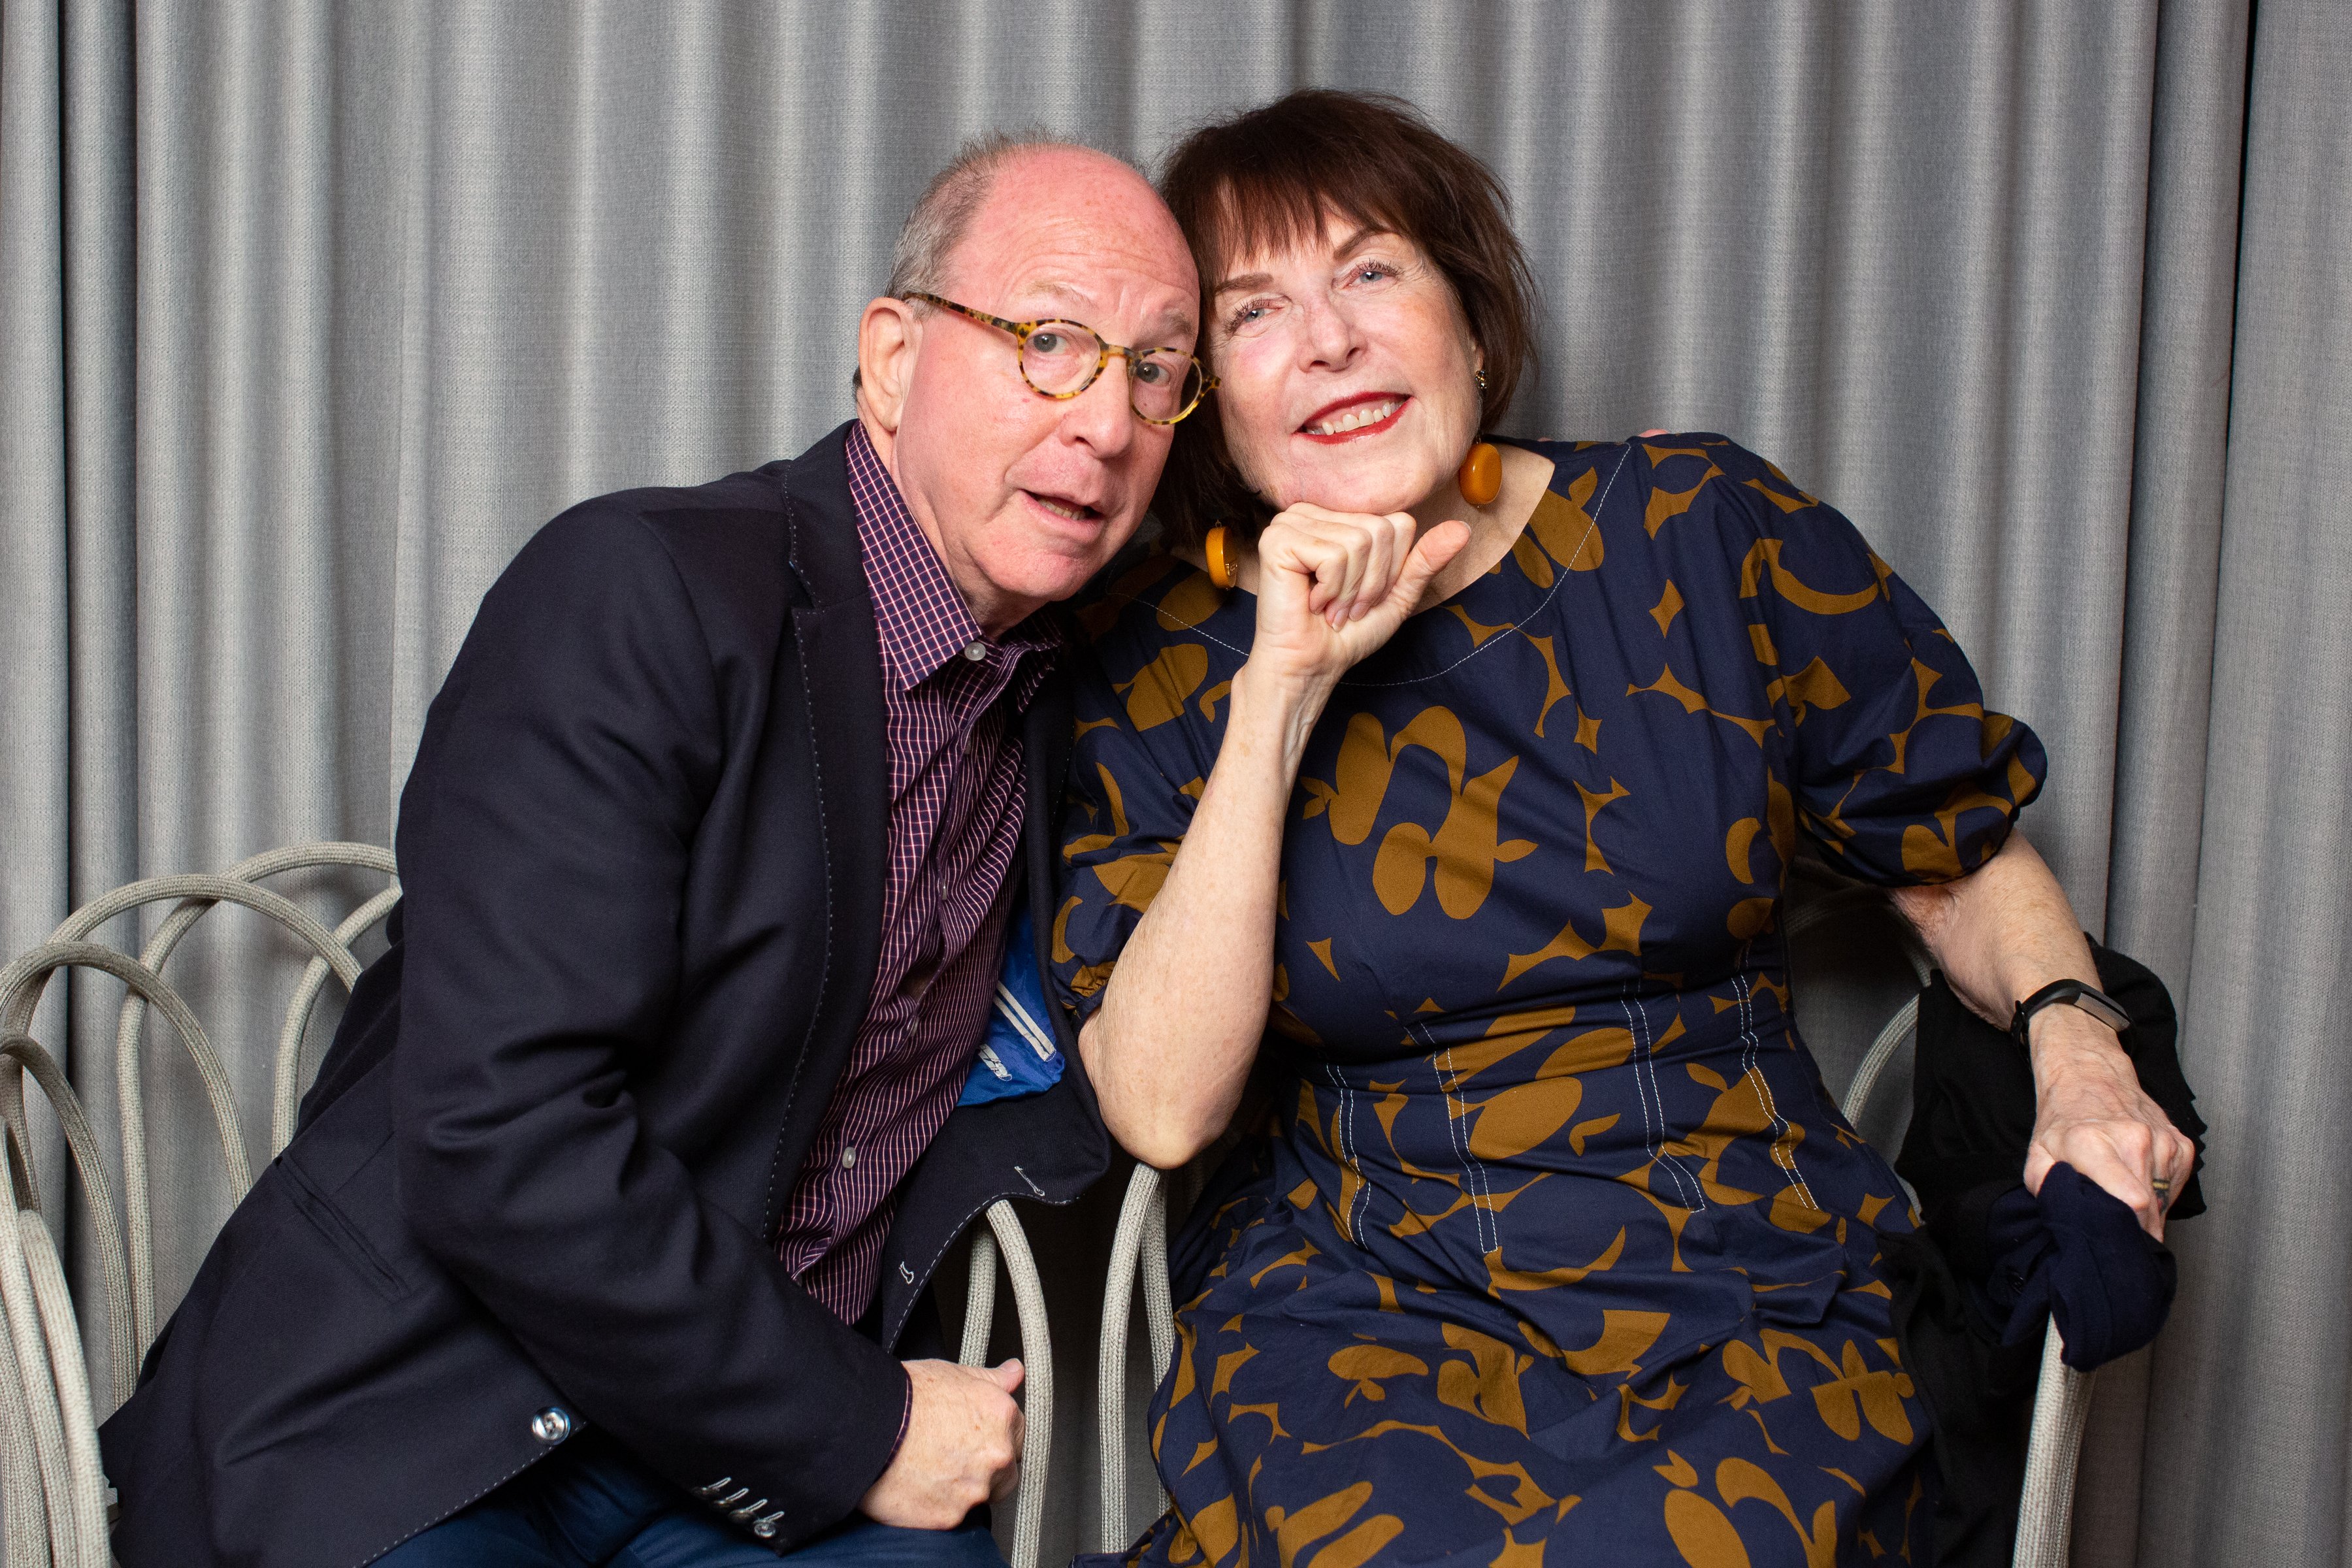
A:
[886,359]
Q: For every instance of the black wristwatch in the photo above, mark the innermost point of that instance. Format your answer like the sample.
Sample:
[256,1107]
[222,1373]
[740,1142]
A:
[2077,993]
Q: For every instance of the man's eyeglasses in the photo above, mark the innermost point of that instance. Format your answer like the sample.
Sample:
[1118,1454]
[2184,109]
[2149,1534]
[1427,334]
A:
[1061,358]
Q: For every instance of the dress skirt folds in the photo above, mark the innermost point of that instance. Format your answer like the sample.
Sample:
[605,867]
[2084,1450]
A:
[1554,1248]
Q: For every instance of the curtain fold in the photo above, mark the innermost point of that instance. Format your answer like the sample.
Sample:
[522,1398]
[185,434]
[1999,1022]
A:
[311,313]
[66,649]
[2187,310]
[35,747]
[2247,1448]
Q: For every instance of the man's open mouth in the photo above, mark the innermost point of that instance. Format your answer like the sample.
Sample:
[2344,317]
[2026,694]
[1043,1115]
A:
[1060,506]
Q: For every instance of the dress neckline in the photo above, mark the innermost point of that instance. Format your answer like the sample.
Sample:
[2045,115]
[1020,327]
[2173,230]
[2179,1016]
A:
[1507,581]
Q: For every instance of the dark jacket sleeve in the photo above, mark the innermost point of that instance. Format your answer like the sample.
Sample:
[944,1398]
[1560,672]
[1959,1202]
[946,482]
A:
[543,848]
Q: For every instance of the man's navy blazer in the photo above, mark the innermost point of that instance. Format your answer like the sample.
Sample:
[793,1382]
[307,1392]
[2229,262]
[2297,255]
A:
[543,1167]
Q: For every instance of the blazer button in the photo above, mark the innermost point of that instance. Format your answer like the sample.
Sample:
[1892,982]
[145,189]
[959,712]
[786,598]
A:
[551,1426]
[764,1529]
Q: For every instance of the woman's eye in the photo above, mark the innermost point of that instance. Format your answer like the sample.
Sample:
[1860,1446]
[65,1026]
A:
[1373,272]
[1249,315]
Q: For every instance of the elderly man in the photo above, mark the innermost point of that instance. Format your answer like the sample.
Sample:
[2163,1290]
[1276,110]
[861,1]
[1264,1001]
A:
[611,1210]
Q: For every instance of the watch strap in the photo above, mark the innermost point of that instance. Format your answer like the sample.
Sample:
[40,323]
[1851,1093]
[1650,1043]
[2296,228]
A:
[2071,992]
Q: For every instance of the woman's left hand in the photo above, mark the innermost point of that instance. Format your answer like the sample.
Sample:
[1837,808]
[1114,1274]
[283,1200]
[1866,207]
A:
[2094,1116]
[2003,931]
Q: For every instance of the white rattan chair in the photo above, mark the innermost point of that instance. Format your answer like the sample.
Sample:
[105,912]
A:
[55,1497]
[56,1500]
[2062,1400]
[1003,1234]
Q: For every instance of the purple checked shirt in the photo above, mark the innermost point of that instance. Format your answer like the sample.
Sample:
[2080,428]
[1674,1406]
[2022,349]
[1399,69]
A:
[950,697]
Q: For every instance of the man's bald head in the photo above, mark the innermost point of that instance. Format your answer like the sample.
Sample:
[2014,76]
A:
[943,214]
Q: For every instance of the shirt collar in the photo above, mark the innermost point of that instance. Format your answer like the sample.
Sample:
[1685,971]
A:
[922,618]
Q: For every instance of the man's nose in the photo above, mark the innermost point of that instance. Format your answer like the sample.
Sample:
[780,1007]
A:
[1101,415]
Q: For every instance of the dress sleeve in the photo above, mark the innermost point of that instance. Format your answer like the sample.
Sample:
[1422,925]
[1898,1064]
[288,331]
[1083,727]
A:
[1125,819]
[1901,775]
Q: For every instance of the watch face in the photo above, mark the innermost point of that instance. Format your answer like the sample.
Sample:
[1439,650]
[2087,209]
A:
[2103,1008]
[2087,997]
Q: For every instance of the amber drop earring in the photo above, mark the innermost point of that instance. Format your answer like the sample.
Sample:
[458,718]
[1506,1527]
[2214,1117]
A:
[1481,475]
[1224,570]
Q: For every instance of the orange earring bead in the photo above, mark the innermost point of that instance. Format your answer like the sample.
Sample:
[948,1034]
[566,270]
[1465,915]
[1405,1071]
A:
[1218,547]
[1481,478]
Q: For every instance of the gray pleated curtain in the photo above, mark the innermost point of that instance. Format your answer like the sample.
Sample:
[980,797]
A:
[310,312]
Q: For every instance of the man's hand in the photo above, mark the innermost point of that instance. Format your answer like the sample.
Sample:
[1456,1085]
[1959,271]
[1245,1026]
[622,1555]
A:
[962,1446]
[2093,1115]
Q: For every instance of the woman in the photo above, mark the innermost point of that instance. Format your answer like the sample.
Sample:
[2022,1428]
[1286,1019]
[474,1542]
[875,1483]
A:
[1478,808]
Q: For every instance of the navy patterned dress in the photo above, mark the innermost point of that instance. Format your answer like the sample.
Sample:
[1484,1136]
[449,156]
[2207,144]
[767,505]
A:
[1555,1243]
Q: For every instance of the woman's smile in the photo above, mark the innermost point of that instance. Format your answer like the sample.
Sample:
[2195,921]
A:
[1366,413]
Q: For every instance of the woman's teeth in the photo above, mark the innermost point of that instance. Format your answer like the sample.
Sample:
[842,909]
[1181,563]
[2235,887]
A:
[1355,419]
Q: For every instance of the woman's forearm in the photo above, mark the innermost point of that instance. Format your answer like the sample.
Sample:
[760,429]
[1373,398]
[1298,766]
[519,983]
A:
[1180,1020]
[2001,934]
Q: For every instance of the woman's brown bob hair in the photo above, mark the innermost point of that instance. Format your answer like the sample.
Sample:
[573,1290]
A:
[1267,179]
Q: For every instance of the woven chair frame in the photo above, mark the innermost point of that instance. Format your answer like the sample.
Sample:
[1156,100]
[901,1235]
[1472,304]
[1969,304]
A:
[55,1497]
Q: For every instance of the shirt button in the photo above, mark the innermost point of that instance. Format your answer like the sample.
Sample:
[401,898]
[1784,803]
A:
[551,1426]
[849,1158]
[975,651]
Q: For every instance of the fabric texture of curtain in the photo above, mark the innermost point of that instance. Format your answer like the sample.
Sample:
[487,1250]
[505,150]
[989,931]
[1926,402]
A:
[311,313]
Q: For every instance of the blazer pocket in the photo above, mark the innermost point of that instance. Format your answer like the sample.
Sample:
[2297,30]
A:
[330,1220]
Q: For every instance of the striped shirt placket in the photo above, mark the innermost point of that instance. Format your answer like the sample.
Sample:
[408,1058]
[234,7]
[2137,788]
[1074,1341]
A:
[949,700]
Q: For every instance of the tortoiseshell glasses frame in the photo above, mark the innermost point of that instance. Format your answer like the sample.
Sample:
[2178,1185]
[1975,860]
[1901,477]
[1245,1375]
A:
[1059,357]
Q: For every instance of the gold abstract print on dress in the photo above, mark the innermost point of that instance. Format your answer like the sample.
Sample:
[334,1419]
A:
[1553,1248]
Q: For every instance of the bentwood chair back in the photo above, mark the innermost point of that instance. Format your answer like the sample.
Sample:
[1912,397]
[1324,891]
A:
[56,1499]
[55,1503]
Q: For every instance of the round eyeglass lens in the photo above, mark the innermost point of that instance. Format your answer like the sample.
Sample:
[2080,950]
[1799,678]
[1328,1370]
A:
[1165,384]
[1059,356]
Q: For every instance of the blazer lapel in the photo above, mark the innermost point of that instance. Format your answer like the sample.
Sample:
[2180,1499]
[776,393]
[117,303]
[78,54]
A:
[1045,750]
[840,674]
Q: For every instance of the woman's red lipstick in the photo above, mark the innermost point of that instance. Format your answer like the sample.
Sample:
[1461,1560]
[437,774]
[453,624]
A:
[1333,409]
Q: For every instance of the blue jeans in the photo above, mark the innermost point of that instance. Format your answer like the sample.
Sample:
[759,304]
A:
[593,1505]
